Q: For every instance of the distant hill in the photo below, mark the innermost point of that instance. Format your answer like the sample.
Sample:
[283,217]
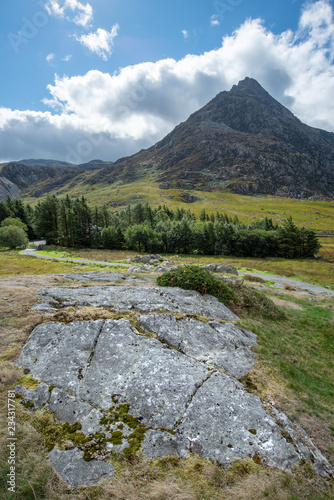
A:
[94,164]
[62,164]
[45,163]
[242,140]
[23,176]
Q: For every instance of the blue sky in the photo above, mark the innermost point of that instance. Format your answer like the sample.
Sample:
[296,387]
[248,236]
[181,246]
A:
[104,78]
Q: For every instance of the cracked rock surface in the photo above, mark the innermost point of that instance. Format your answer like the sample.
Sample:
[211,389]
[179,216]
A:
[164,384]
[105,276]
[225,346]
[143,299]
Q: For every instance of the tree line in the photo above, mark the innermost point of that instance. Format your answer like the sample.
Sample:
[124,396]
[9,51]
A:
[72,223]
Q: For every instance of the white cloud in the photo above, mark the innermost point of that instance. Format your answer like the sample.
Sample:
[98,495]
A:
[98,115]
[67,58]
[84,12]
[50,57]
[185,33]
[101,42]
[214,20]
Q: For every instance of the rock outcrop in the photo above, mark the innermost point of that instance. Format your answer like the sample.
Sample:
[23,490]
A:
[8,188]
[221,268]
[39,179]
[164,382]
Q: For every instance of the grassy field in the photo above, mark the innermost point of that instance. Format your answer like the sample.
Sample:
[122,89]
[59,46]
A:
[294,371]
[310,214]
[299,350]
[327,248]
[12,264]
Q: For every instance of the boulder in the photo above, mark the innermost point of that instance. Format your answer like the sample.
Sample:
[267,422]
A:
[226,268]
[221,268]
[148,259]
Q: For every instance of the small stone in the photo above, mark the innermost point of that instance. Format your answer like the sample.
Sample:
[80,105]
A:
[77,472]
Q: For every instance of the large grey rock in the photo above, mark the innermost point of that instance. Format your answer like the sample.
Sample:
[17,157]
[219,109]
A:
[157,382]
[168,386]
[225,346]
[77,472]
[209,413]
[58,354]
[143,299]
[95,276]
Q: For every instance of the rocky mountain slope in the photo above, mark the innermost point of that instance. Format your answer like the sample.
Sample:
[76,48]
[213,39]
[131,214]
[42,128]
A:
[243,139]
[41,179]
[8,188]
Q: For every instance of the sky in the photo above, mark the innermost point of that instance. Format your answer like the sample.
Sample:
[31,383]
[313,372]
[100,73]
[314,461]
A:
[105,78]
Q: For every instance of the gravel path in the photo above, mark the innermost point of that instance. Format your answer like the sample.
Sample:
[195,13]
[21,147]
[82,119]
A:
[30,252]
[299,285]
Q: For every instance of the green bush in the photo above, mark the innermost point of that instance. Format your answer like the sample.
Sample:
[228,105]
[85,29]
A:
[254,303]
[198,279]
[14,221]
[12,237]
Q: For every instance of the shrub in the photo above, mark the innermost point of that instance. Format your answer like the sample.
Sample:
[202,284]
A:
[198,279]
[12,236]
[254,303]
[255,279]
[14,221]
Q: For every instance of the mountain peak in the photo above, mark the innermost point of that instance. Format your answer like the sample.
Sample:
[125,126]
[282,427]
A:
[249,84]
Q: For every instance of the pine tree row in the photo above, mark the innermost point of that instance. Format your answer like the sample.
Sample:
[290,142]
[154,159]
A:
[72,223]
